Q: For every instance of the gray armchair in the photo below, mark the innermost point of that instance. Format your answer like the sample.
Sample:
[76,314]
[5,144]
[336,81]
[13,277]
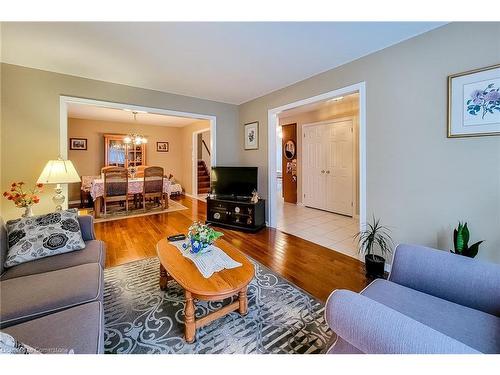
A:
[433,302]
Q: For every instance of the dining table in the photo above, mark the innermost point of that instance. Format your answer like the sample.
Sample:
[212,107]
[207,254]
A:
[135,186]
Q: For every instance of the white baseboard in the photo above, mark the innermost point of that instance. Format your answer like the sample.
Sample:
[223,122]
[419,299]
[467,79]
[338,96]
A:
[194,197]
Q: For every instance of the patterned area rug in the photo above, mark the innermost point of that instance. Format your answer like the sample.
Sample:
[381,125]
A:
[140,318]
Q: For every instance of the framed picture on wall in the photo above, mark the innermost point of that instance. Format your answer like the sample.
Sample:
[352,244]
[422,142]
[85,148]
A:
[252,136]
[78,143]
[161,146]
[474,103]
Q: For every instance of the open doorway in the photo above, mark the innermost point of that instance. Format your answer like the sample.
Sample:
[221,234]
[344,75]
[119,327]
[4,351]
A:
[202,163]
[103,127]
[317,187]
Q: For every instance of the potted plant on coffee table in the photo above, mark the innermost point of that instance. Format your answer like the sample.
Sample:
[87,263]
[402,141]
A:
[200,237]
[374,238]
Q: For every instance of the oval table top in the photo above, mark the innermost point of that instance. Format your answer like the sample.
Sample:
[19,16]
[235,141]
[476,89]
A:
[221,284]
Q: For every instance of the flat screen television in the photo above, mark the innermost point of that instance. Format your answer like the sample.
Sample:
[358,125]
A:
[233,181]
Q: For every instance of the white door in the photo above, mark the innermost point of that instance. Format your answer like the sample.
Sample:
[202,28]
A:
[339,168]
[313,181]
[328,167]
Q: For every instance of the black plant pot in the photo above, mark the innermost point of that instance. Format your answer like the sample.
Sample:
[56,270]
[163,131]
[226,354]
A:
[374,265]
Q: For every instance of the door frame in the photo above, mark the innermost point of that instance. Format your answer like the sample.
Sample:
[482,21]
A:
[64,100]
[273,122]
[326,122]
[194,156]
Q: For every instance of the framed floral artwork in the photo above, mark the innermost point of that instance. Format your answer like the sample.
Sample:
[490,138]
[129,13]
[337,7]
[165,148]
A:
[474,103]
[252,136]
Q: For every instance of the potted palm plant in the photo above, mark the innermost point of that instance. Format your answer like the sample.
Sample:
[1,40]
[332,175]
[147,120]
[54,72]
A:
[374,237]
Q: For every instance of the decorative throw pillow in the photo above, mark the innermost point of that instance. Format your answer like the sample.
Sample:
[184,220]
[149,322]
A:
[36,237]
[9,345]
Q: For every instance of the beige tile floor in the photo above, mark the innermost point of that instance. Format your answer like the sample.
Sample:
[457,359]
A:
[324,228]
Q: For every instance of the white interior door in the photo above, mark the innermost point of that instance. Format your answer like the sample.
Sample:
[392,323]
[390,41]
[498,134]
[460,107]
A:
[328,167]
[339,167]
[313,167]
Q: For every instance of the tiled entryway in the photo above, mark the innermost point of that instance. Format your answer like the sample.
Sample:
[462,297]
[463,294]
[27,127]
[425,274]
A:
[324,228]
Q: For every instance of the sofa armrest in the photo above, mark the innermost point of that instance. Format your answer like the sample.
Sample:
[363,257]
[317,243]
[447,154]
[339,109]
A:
[375,328]
[87,227]
[455,278]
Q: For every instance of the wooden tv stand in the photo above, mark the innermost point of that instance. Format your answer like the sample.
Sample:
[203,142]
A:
[239,214]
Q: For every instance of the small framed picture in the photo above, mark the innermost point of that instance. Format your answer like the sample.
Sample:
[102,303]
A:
[162,146]
[78,143]
[252,136]
[474,103]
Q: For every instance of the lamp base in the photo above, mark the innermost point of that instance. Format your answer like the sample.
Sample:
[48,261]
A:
[58,198]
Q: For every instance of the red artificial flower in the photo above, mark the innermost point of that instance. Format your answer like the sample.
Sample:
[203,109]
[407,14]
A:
[9,197]
[13,184]
[5,193]
[39,185]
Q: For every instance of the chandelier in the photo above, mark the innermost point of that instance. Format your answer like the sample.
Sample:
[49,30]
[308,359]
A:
[135,138]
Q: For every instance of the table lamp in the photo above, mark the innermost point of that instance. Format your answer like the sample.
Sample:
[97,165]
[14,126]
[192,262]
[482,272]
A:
[59,172]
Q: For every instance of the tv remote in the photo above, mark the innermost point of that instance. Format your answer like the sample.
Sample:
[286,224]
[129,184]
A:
[176,237]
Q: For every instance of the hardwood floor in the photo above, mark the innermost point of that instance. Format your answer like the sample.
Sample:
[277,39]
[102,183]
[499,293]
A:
[312,267]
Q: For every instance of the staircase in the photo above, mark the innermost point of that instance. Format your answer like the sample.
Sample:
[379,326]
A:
[203,178]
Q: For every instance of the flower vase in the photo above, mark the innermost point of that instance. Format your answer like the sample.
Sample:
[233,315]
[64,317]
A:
[195,246]
[28,211]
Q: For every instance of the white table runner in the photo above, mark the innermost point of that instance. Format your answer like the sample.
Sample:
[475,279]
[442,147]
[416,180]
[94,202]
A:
[209,262]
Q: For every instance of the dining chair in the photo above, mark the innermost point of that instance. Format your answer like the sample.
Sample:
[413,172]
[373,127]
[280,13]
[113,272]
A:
[153,186]
[115,186]
[85,198]
[139,171]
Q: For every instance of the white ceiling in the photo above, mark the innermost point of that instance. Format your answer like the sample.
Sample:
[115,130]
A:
[90,112]
[228,62]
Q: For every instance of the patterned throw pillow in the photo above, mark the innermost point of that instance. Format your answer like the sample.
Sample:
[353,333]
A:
[42,236]
[9,345]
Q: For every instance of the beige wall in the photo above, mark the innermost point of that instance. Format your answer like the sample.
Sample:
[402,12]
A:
[89,162]
[418,181]
[348,108]
[30,121]
[187,141]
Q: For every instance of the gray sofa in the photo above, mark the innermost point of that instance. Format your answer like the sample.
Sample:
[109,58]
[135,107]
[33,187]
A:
[55,303]
[433,302]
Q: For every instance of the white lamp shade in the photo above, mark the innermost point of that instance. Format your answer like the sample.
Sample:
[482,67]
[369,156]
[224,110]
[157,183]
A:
[59,172]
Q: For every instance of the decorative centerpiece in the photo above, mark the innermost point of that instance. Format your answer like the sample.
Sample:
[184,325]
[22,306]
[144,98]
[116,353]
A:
[200,237]
[24,198]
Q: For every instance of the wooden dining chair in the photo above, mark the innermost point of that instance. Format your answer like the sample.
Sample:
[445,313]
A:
[153,186]
[115,186]
[85,198]
[139,171]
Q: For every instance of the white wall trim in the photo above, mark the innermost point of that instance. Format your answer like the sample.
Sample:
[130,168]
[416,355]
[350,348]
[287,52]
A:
[194,156]
[63,123]
[272,121]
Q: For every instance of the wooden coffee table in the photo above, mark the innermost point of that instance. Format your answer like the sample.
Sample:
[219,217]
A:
[222,284]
